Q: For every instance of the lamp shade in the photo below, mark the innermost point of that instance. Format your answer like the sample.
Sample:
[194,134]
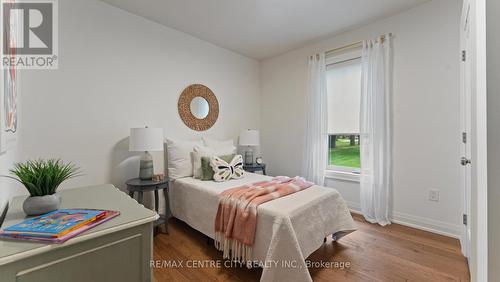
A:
[146,139]
[249,137]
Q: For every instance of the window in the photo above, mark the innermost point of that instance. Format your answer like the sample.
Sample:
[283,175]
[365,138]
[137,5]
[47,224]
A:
[343,78]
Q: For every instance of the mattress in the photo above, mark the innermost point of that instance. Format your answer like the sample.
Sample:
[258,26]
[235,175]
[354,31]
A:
[288,229]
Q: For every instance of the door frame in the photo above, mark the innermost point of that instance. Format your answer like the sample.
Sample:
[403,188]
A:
[478,201]
[465,125]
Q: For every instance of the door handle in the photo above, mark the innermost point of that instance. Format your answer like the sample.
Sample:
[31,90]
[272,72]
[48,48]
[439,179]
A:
[464,161]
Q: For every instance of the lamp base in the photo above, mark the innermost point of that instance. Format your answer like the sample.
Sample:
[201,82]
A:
[146,169]
[249,157]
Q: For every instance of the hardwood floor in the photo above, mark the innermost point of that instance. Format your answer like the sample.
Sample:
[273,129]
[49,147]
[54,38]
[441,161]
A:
[392,253]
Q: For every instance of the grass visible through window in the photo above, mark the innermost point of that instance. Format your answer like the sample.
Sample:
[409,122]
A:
[344,154]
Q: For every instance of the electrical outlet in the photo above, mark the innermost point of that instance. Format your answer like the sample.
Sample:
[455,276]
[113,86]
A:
[434,195]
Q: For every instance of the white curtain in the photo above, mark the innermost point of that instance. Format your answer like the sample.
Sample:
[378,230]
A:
[375,130]
[316,138]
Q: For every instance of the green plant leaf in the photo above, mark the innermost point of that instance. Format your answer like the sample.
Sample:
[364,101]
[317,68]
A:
[43,177]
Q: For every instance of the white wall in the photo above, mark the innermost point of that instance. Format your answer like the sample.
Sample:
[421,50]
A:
[425,112]
[118,71]
[7,186]
[493,78]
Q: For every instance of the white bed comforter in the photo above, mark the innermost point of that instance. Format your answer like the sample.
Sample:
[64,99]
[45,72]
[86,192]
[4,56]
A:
[289,229]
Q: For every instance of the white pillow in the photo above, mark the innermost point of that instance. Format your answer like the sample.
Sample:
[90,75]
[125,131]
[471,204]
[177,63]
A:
[224,171]
[179,163]
[203,151]
[218,144]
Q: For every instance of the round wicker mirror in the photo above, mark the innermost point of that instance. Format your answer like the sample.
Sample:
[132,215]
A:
[195,98]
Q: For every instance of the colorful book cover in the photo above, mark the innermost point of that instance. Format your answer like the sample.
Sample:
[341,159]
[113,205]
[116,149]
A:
[56,223]
[58,240]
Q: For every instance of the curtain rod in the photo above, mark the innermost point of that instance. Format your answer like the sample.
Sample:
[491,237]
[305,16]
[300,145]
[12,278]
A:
[353,45]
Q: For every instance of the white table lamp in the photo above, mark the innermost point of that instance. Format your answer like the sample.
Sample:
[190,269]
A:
[249,137]
[145,140]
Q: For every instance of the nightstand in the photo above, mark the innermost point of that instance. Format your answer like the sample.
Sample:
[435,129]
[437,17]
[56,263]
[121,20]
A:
[255,167]
[141,186]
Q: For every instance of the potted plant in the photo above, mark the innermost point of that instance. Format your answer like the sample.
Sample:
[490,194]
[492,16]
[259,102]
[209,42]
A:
[42,178]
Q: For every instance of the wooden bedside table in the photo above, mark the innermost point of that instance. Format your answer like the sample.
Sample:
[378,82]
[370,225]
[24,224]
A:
[141,186]
[255,167]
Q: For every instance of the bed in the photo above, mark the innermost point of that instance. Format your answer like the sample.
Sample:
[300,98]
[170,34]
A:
[289,229]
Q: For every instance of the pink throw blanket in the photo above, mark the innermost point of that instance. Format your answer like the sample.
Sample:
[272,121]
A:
[236,219]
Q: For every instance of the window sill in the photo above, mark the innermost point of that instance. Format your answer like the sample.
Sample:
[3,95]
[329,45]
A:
[340,175]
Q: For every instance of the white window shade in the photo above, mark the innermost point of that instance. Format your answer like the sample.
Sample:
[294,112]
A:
[344,92]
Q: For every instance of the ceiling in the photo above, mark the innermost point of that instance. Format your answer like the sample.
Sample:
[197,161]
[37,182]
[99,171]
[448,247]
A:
[263,28]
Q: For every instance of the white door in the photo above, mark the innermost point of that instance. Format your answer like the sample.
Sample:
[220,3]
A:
[474,147]
[466,113]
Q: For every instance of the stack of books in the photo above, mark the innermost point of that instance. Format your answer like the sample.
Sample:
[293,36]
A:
[57,226]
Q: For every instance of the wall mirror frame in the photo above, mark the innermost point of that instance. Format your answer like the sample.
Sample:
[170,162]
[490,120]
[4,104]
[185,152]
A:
[196,97]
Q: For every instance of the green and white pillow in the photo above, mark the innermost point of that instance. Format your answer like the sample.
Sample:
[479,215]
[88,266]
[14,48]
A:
[204,151]
[207,173]
[224,170]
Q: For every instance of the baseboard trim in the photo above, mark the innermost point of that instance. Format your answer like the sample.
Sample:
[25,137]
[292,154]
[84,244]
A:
[418,222]
[427,224]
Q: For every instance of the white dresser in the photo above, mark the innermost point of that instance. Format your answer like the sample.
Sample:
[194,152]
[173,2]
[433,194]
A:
[117,250]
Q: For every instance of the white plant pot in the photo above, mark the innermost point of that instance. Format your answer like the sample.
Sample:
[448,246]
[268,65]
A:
[41,204]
